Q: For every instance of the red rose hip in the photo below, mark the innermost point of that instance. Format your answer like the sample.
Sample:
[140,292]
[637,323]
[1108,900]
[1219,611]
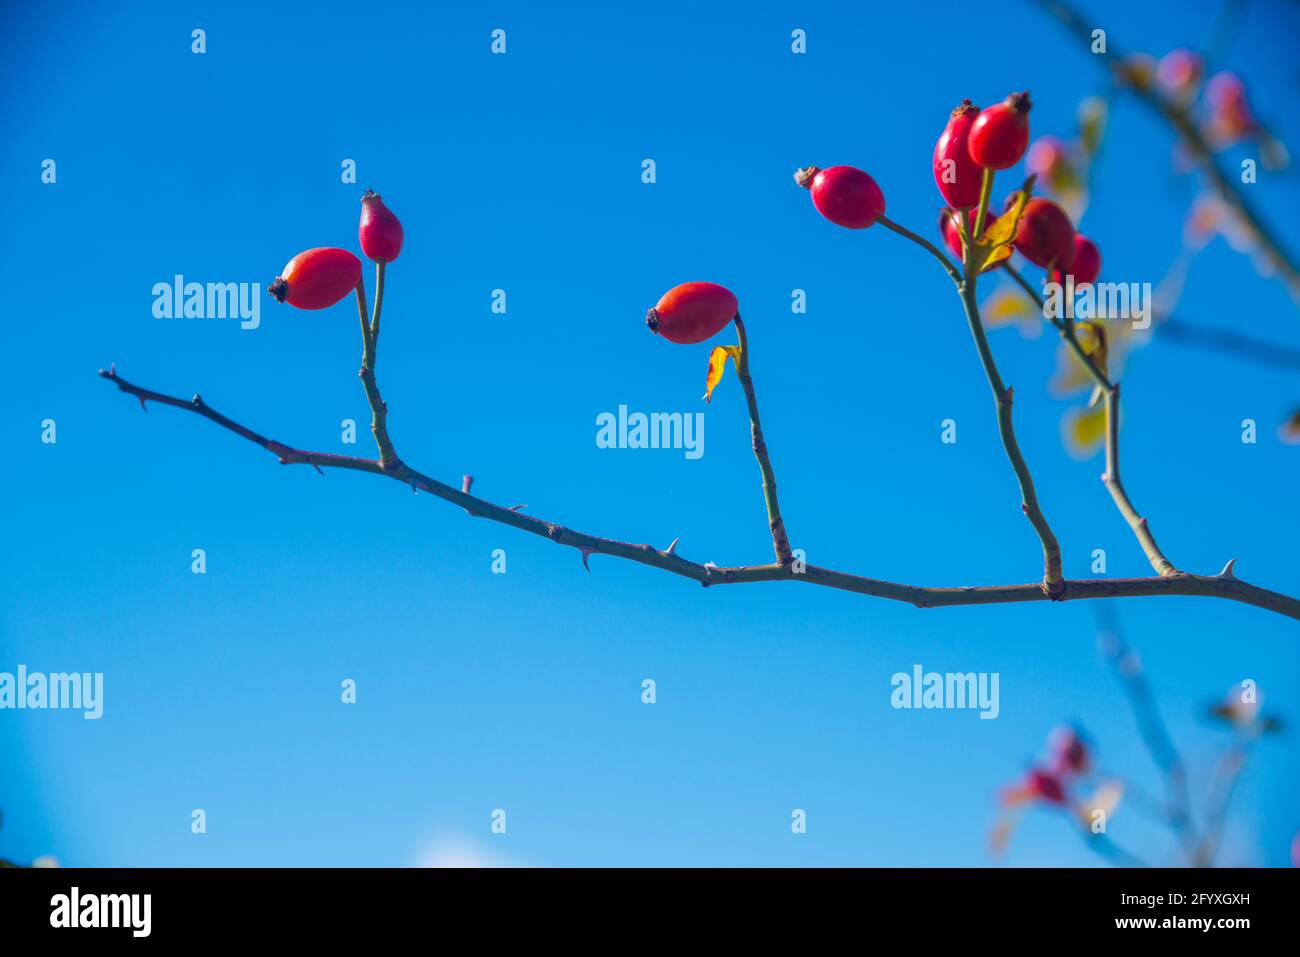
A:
[317,278]
[955,173]
[692,312]
[1045,235]
[1086,266]
[843,194]
[1000,134]
[380,231]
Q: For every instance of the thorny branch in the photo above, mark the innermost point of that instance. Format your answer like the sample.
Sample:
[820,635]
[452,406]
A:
[1211,586]
[1184,124]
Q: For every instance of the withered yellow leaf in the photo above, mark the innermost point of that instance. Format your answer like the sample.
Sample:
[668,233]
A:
[717,366]
[1083,430]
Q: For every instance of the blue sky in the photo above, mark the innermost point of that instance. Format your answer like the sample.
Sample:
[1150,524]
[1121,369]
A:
[521,691]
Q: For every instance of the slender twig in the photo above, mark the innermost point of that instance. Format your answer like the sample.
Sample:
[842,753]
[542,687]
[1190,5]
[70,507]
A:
[986,193]
[1210,586]
[925,244]
[388,459]
[1053,580]
[379,302]
[780,541]
[1151,729]
[1111,477]
[1183,122]
[1231,765]
[1228,341]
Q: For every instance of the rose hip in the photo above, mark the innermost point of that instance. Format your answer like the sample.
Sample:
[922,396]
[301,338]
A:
[1045,235]
[1000,134]
[317,278]
[380,231]
[1086,266]
[955,173]
[843,194]
[692,312]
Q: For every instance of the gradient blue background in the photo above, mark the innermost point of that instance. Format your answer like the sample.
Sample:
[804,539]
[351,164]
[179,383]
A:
[522,691]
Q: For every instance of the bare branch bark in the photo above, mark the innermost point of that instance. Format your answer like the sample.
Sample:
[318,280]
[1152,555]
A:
[1214,586]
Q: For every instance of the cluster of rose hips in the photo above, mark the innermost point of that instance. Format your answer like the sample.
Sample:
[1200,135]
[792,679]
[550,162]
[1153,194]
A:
[320,277]
[973,142]
[1068,759]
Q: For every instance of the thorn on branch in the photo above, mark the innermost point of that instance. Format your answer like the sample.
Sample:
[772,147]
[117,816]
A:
[466,483]
[519,508]
[1227,570]
[585,553]
[672,549]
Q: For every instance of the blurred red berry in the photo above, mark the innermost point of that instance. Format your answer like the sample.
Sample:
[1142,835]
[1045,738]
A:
[1000,134]
[1086,266]
[955,173]
[1045,786]
[1069,753]
[1179,74]
[380,231]
[1045,235]
[1230,115]
[317,278]
[692,312]
[1046,157]
[843,194]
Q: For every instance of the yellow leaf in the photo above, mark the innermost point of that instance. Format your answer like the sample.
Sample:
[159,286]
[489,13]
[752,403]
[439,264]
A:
[1092,124]
[1092,338]
[1005,306]
[996,243]
[1083,430]
[717,366]
[1105,799]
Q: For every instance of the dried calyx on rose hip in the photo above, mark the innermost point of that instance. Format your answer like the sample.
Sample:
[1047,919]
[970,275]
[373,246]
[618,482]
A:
[317,278]
[1000,134]
[380,231]
[1045,235]
[843,194]
[955,173]
[1086,266]
[692,312]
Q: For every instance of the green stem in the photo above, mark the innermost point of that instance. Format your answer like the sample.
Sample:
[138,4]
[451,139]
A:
[1111,479]
[780,541]
[925,244]
[379,302]
[388,459]
[1053,580]
[986,191]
